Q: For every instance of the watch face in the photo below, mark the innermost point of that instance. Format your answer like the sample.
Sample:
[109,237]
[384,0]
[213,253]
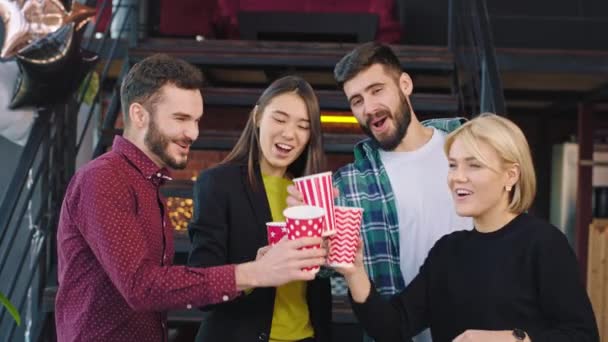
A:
[519,334]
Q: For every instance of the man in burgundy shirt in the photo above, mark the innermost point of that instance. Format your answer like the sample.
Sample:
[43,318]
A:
[115,247]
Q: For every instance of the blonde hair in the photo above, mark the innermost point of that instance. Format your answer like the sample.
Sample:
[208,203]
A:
[510,143]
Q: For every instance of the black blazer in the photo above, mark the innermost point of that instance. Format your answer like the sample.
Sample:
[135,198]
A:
[228,227]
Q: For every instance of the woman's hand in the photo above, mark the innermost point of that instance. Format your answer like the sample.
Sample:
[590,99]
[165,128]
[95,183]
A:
[357,267]
[356,277]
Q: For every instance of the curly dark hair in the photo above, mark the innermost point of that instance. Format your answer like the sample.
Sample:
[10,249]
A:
[364,56]
[143,82]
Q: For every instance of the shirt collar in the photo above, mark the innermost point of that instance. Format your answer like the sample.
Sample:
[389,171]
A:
[369,149]
[140,160]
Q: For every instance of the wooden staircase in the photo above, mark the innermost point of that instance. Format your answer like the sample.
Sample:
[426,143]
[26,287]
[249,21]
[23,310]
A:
[236,72]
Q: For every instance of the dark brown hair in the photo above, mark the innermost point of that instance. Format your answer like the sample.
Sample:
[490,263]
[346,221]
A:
[143,82]
[247,149]
[364,56]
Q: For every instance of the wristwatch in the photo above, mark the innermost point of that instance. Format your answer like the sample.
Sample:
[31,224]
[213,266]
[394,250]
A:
[519,334]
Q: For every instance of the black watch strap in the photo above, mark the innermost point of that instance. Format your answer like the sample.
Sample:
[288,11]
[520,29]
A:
[519,334]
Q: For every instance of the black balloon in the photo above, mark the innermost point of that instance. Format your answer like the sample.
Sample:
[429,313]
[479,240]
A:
[52,68]
[51,48]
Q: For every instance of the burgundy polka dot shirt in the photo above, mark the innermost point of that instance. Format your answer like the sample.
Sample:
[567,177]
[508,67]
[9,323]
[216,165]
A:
[115,253]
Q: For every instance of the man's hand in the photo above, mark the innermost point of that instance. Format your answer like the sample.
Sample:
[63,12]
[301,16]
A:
[280,264]
[487,336]
[262,251]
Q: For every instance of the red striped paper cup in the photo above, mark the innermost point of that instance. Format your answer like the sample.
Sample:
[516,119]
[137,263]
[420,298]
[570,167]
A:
[344,243]
[317,190]
[305,221]
[275,231]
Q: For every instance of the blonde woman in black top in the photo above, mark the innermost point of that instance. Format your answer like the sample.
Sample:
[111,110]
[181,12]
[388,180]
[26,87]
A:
[513,278]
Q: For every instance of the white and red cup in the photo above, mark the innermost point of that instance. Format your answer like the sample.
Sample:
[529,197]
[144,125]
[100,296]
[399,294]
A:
[317,190]
[343,244]
[305,221]
[275,231]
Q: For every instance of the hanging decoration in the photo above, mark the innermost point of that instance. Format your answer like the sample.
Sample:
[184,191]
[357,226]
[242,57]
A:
[51,69]
[45,40]
[15,28]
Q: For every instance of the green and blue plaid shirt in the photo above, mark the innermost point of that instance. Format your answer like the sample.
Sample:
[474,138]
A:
[365,183]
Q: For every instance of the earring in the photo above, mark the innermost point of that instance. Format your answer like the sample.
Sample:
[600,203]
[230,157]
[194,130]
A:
[508,188]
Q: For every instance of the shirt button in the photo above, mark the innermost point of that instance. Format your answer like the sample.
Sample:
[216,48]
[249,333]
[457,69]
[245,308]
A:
[158,175]
[263,337]
[189,306]
[225,298]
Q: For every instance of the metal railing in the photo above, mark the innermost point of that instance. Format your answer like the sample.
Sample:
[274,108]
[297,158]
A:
[477,80]
[32,203]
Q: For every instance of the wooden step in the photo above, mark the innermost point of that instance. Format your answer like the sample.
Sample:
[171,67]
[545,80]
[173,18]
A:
[235,53]
[328,99]
[333,143]
[225,140]
[424,103]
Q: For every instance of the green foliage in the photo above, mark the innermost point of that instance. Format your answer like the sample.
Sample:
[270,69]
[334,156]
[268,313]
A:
[11,309]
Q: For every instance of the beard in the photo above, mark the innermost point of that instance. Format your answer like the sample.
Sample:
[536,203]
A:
[158,143]
[401,119]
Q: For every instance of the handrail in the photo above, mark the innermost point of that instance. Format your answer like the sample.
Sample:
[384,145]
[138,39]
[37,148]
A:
[9,204]
[44,168]
[106,68]
[477,80]
[35,158]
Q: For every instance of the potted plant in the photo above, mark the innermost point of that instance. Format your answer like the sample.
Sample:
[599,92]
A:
[11,309]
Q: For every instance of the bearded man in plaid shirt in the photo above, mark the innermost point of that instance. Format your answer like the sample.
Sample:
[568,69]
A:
[399,174]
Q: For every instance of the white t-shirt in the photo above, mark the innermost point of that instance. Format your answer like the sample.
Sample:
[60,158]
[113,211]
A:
[425,208]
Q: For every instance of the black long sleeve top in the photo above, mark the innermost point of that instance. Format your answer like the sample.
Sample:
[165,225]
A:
[524,275]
